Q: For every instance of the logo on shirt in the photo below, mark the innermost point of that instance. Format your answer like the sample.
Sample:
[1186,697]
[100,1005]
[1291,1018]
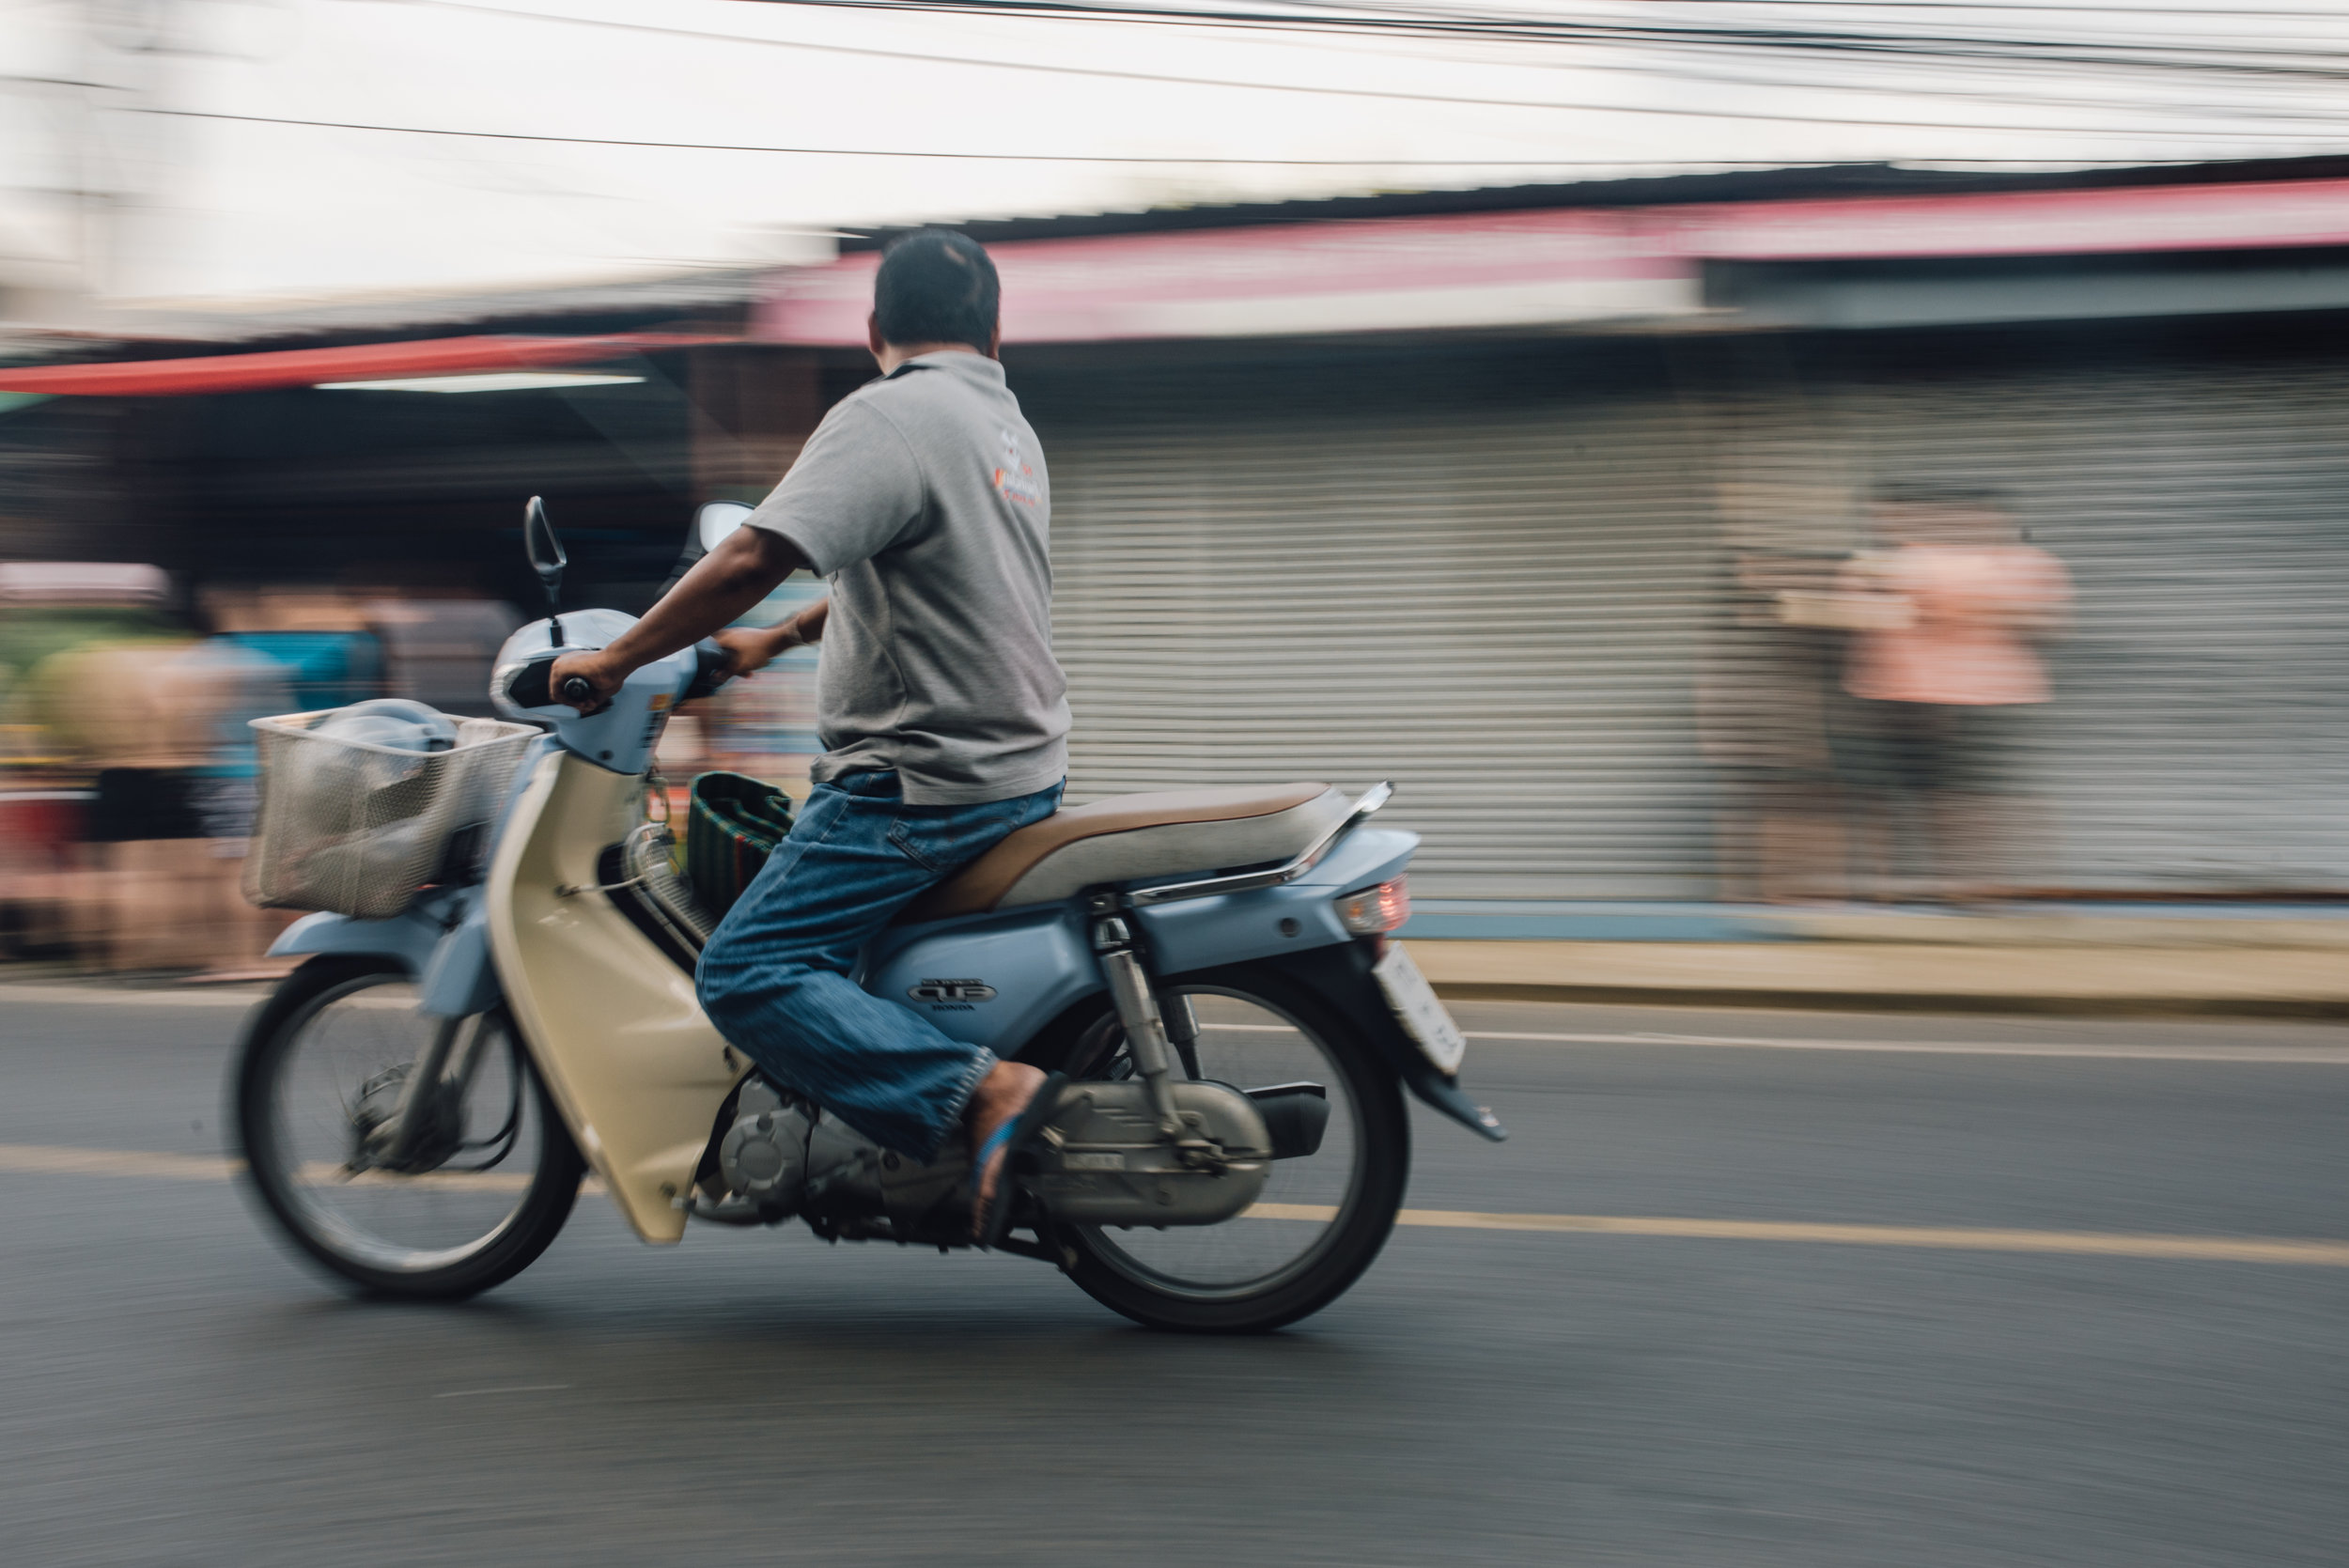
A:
[1013,479]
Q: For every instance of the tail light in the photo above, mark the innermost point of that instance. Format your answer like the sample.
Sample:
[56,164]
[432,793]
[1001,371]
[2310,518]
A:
[1376,912]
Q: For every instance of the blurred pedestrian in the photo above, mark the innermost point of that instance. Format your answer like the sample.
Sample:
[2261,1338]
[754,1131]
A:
[1949,669]
[1762,680]
[158,727]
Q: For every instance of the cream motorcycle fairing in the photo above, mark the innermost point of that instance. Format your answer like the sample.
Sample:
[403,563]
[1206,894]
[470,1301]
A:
[635,1067]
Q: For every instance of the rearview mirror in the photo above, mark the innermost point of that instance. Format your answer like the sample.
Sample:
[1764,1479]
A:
[548,560]
[546,552]
[717,519]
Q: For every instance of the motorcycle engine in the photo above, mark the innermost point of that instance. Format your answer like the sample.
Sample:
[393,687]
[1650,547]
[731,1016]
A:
[763,1156]
[778,1149]
[781,1157]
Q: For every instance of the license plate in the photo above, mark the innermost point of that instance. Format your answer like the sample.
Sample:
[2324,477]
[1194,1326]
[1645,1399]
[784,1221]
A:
[1419,1010]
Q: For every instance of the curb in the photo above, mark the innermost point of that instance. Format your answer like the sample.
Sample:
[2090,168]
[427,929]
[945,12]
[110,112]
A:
[2273,1008]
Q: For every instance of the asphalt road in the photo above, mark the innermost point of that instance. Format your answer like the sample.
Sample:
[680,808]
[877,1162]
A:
[174,1389]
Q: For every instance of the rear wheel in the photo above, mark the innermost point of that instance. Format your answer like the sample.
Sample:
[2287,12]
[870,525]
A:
[324,1063]
[1322,1218]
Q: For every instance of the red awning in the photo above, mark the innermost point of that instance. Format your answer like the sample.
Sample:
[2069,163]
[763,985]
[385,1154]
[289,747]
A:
[366,361]
[1541,266]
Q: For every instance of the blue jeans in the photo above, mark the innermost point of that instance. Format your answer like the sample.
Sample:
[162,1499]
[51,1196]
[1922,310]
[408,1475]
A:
[774,978]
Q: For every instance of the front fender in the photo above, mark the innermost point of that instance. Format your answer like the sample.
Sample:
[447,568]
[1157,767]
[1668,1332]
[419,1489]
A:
[409,935]
[443,940]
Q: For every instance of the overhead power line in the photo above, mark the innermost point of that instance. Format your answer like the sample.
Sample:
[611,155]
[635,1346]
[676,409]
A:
[1520,27]
[1312,89]
[959,155]
[1465,163]
[1775,36]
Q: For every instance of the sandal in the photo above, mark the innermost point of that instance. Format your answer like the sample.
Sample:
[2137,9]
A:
[1013,1139]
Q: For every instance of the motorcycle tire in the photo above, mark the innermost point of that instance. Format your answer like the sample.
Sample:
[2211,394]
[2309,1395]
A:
[273,1172]
[1352,1240]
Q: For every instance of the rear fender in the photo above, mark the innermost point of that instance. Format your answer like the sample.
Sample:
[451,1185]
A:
[1341,976]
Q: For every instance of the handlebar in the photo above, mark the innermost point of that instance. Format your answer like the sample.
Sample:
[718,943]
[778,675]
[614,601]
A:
[529,686]
[711,663]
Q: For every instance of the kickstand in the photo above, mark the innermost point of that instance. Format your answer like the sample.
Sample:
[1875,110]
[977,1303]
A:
[1042,1250]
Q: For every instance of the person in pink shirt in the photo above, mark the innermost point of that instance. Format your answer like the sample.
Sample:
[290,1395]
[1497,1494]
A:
[1948,666]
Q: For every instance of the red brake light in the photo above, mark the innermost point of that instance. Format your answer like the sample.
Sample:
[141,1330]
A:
[1376,912]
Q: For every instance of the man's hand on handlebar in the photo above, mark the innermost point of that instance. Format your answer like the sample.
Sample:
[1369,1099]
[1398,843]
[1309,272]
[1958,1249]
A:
[602,678]
[750,648]
[743,569]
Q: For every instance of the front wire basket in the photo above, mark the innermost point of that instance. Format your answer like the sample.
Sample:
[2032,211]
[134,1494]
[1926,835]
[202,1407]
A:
[361,830]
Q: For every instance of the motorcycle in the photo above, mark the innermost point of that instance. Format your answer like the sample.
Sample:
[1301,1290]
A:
[419,1103]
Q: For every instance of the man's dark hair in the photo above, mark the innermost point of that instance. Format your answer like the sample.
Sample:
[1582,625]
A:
[936,286]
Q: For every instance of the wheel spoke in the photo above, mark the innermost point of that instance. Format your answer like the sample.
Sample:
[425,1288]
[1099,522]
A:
[1244,1041]
[342,1068]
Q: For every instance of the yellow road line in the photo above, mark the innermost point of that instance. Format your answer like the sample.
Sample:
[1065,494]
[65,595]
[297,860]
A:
[2118,1244]
[53,1160]
[112,996]
[49,1159]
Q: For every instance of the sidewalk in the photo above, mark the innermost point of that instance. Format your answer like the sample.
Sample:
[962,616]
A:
[2181,960]
[2264,961]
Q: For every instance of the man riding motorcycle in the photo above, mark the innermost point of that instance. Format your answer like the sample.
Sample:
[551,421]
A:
[923,499]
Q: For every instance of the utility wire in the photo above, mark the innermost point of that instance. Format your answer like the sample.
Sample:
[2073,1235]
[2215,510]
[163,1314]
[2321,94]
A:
[1628,161]
[975,157]
[1308,88]
[1425,21]
[2288,62]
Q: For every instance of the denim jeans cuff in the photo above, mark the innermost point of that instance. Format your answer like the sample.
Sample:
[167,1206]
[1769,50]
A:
[981,1064]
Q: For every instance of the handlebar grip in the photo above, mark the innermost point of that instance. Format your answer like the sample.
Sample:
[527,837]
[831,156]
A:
[527,686]
[575,691]
[710,665]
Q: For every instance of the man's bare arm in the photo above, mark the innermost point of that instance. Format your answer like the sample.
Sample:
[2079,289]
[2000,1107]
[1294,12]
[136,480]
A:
[755,648]
[743,569]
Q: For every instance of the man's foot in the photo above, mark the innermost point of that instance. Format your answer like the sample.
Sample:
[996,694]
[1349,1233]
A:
[1007,1091]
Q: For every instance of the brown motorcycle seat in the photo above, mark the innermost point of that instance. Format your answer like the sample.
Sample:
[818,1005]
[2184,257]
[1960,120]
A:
[1130,836]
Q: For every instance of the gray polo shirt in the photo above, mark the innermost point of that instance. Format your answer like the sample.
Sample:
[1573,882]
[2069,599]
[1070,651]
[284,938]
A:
[923,498]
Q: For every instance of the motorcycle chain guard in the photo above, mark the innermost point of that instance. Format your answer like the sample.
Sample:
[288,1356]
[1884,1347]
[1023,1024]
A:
[1103,1162]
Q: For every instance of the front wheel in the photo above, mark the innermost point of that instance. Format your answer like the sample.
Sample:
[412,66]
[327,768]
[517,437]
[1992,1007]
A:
[468,1202]
[1322,1218]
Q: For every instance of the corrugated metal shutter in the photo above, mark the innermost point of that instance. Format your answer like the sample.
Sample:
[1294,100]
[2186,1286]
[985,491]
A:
[2199,738]
[1489,594]
[1494,582]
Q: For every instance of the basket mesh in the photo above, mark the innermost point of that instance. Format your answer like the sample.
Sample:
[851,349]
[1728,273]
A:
[359,830]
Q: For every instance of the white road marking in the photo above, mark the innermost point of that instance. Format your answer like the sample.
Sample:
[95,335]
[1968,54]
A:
[2334,1056]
